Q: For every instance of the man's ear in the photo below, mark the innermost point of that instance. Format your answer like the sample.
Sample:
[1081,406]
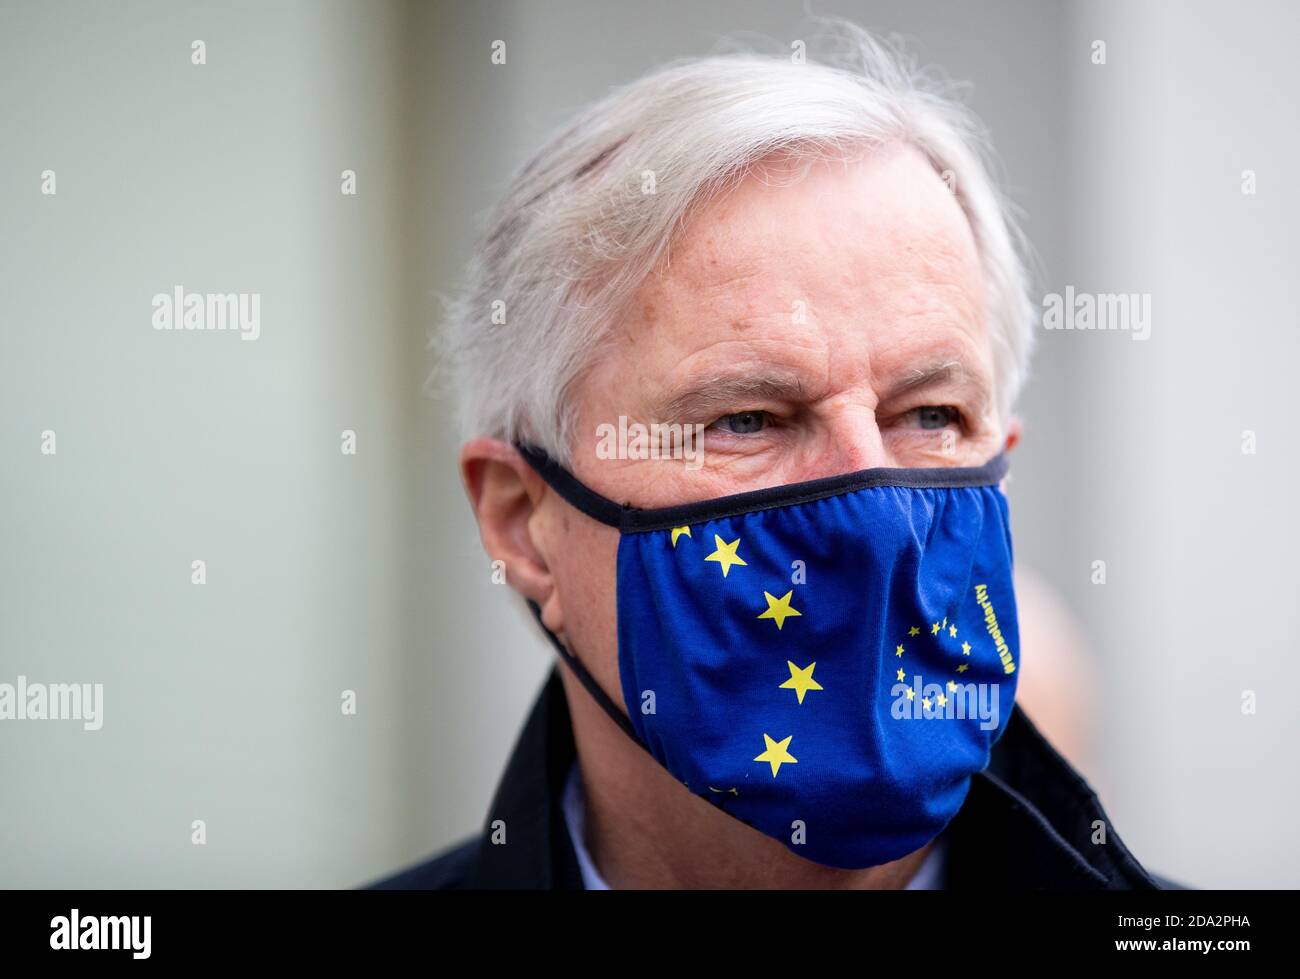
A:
[505,492]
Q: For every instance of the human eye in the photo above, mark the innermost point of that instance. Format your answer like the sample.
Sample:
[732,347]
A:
[932,417]
[742,422]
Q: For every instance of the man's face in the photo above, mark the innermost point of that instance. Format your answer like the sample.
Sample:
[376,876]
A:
[832,324]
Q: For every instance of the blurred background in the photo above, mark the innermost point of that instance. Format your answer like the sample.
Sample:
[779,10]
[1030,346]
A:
[329,572]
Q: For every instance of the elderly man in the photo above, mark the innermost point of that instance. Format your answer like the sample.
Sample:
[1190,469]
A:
[736,366]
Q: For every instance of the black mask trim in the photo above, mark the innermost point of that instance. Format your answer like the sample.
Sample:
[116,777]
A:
[587,680]
[632,520]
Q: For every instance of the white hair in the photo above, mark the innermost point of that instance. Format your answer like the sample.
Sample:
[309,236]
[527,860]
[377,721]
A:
[576,234]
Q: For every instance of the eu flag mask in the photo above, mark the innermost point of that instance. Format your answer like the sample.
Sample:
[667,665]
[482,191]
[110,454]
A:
[829,661]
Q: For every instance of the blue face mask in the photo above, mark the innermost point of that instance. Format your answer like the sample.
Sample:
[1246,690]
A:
[830,661]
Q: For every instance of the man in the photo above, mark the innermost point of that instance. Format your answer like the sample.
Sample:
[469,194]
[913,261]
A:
[804,274]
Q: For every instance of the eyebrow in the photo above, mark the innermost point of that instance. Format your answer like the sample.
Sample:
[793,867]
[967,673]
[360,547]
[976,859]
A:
[936,374]
[724,392]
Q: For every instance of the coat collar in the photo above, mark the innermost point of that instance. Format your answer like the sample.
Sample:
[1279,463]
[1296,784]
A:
[1028,822]
[538,852]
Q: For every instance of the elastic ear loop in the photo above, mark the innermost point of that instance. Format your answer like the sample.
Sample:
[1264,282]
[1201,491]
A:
[587,680]
[607,512]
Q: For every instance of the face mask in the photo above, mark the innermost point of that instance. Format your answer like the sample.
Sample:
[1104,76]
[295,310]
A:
[830,661]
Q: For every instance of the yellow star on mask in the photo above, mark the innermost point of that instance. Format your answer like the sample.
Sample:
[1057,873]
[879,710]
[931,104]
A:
[952,685]
[965,649]
[911,694]
[898,650]
[941,700]
[800,681]
[901,676]
[925,702]
[962,668]
[914,631]
[776,755]
[725,555]
[952,631]
[934,629]
[678,532]
[777,608]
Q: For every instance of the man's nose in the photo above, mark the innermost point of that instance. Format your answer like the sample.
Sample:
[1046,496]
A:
[853,442]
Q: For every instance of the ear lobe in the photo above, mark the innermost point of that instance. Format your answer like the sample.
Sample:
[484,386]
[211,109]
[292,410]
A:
[504,492]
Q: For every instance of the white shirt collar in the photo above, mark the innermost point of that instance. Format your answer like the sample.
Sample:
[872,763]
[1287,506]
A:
[928,877]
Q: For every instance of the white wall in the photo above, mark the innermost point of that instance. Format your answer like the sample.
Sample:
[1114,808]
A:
[1200,540]
[222,702]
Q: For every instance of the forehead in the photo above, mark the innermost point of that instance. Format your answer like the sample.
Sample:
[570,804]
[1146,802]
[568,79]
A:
[872,254]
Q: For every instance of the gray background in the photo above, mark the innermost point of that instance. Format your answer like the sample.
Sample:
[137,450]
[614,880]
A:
[329,572]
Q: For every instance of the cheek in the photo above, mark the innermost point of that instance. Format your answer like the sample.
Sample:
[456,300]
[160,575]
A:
[584,566]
